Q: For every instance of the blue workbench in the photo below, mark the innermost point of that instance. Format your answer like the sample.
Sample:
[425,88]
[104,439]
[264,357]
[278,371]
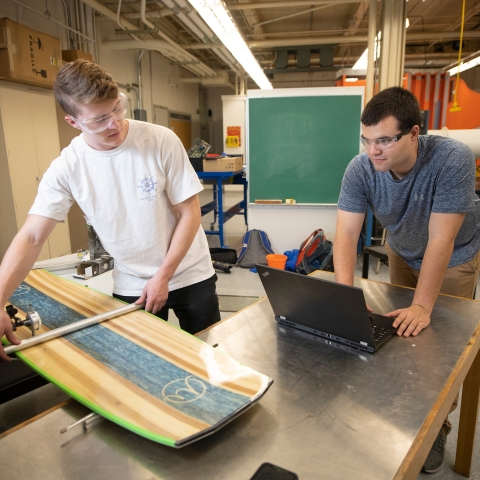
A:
[228,178]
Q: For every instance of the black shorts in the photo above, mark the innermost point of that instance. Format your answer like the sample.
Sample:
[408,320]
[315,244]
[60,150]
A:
[196,306]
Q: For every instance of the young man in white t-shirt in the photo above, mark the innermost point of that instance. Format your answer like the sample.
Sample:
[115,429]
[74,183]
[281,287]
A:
[136,186]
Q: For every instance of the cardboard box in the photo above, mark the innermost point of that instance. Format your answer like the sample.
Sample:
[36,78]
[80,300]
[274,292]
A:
[28,56]
[72,55]
[223,164]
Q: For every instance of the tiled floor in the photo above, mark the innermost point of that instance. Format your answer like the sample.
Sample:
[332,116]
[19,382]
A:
[242,282]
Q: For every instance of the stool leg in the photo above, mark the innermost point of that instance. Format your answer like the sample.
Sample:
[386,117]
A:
[384,233]
[365,265]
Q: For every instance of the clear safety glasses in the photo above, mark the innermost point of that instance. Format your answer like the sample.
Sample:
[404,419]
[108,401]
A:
[99,124]
[385,142]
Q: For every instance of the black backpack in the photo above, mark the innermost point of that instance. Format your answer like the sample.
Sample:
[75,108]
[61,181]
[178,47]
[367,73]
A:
[224,255]
[316,253]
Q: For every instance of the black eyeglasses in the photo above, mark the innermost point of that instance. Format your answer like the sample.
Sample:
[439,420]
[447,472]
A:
[385,142]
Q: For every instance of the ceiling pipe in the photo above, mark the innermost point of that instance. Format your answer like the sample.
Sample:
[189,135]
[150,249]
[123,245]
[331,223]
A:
[199,69]
[191,80]
[296,14]
[205,46]
[372,32]
[463,60]
[353,39]
[143,7]
[198,28]
[409,56]
[140,84]
[290,4]
[128,87]
[90,29]
[162,12]
[434,60]
[150,44]
[202,32]
[83,27]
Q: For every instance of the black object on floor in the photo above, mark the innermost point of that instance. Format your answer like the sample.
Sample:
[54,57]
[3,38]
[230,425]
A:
[17,378]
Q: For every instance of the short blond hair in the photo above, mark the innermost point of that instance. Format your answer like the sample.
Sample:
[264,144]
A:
[83,82]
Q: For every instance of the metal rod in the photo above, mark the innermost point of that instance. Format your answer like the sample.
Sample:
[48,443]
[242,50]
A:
[73,327]
[285,4]
[372,32]
[87,422]
[78,422]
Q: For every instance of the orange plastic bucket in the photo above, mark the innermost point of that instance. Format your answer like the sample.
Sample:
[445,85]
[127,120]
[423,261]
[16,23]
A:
[276,260]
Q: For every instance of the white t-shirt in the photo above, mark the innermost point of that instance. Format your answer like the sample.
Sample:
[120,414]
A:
[127,195]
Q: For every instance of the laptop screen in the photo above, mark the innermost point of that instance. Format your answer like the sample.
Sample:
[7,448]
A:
[318,304]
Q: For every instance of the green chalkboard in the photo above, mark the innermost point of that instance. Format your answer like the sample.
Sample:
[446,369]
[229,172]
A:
[300,146]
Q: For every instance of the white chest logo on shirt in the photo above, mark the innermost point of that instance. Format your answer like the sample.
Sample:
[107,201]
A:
[147,188]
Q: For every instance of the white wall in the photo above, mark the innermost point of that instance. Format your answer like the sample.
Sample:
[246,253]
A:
[234,111]
[287,226]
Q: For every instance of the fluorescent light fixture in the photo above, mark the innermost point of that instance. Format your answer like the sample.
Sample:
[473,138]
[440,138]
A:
[216,16]
[407,22]
[351,79]
[464,66]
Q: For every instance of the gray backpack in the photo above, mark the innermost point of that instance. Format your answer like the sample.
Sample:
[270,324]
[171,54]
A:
[255,248]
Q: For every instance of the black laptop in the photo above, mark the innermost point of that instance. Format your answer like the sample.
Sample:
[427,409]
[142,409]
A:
[327,309]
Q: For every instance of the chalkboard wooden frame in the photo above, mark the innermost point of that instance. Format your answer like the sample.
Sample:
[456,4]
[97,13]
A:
[299,142]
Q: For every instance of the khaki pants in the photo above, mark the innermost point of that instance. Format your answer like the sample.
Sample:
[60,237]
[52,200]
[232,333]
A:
[460,281]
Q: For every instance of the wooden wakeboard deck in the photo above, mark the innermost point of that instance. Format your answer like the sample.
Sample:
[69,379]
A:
[136,370]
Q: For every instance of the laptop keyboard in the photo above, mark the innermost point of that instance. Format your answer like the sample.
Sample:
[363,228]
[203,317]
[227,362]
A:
[378,332]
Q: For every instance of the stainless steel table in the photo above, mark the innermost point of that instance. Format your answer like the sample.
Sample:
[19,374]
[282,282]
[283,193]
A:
[332,413]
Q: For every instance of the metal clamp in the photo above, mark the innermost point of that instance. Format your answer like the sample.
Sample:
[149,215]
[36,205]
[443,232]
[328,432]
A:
[32,319]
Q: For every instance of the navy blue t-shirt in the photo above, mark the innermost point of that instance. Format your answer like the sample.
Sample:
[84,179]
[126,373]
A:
[442,181]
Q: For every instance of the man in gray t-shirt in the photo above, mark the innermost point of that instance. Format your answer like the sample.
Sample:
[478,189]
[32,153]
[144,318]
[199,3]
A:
[422,190]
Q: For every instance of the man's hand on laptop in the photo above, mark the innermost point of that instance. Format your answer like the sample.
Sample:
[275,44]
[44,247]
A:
[411,320]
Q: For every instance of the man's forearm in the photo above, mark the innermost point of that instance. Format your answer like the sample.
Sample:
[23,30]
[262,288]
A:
[344,257]
[434,265]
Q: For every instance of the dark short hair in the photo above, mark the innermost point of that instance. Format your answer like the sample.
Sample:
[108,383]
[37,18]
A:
[396,102]
[83,83]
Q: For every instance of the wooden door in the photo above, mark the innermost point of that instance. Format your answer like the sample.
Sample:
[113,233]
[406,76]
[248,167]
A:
[182,126]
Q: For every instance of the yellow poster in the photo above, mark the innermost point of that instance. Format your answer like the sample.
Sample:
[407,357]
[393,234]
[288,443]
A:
[234,136]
